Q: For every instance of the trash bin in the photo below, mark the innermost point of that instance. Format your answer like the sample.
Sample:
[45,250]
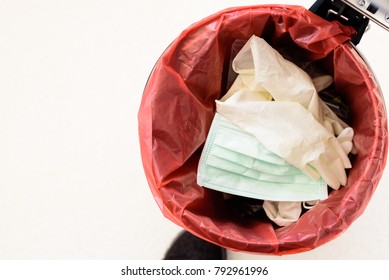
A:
[178,106]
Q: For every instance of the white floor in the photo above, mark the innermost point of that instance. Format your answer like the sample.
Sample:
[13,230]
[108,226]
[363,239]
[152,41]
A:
[71,180]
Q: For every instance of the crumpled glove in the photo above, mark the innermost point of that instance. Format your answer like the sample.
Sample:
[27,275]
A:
[322,82]
[263,69]
[282,213]
[298,127]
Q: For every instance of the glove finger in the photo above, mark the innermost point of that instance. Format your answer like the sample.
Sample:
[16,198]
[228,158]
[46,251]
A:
[326,173]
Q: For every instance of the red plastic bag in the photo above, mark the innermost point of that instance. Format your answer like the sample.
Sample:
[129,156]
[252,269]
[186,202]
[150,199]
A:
[178,106]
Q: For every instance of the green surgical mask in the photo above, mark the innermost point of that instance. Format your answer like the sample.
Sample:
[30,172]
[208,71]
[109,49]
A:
[234,161]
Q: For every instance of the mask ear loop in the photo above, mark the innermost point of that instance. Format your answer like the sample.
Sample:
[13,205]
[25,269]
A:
[310,204]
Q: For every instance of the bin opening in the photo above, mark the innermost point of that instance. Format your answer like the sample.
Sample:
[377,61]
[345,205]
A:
[178,106]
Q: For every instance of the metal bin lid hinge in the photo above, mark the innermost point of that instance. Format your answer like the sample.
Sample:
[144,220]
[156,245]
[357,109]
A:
[355,13]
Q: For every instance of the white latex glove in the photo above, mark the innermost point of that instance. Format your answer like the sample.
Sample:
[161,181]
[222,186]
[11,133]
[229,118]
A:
[250,93]
[262,68]
[302,131]
[345,139]
[322,82]
[282,213]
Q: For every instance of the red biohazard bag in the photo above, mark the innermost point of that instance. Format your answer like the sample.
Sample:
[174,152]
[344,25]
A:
[178,106]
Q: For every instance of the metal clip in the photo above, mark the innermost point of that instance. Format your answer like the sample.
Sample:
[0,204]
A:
[330,11]
[339,10]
